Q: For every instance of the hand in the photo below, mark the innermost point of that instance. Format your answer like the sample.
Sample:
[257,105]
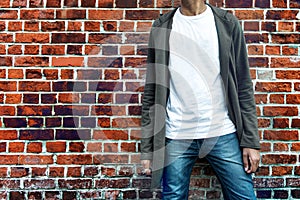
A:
[146,167]
[251,159]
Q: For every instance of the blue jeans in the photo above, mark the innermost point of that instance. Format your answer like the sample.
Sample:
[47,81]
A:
[224,155]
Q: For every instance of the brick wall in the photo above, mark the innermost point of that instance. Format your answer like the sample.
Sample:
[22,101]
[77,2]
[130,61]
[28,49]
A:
[71,82]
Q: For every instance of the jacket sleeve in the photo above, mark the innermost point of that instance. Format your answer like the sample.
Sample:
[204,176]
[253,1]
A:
[148,104]
[250,137]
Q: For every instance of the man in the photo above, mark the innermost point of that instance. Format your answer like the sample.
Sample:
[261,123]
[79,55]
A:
[198,102]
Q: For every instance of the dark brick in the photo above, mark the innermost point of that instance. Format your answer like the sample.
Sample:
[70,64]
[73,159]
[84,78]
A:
[74,49]
[88,122]
[71,122]
[68,38]
[126,3]
[69,86]
[88,98]
[296,194]
[69,195]
[238,4]
[79,134]
[31,98]
[36,135]
[71,3]
[142,14]
[34,195]
[281,194]
[16,195]
[88,3]
[49,98]
[15,122]
[105,86]
[263,193]
[262,3]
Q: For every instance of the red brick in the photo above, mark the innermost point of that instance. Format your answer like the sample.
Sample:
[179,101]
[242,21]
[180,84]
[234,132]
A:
[288,74]
[108,171]
[94,147]
[289,50]
[34,110]
[294,4]
[13,98]
[279,3]
[100,38]
[38,171]
[7,110]
[56,172]
[71,14]
[110,26]
[32,38]
[68,61]
[142,14]
[295,123]
[89,3]
[16,147]
[280,135]
[80,159]
[33,74]
[282,14]
[265,147]
[280,111]
[110,135]
[9,159]
[2,49]
[54,147]
[53,26]
[14,26]
[74,26]
[280,122]
[126,122]
[106,3]
[279,159]
[110,147]
[37,14]
[273,87]
[147,4]
[6,38]
[281,170]
[280,147]
[39,184]
[35,122]
[31,49]
[3,172]
[251,26]
[8,86]
[277,98]
[105,14]
[53,3]
[36,3]
[15,49]
[4,4]
[128,147]
[263,123]
[76,147]
[5,61]
[8,14]
[285,26]
[34,147]
[249,14]
[51,74]
[8,135]
[31,26]
[34,86]
[92,26]
[74,171]
[285,63]
[53,50]
[126,26]
[295,147]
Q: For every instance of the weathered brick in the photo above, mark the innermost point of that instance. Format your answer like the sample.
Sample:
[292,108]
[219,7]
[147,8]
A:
[238,4]
[70,3]
[36,135]
[141,14]
[294,4]
[19,172]
[281,14]
[56,172]
[279,159]
[280,135]
[280,111]
[53,3]
[32,38]
[273,87]
[8,14]
[68,38]
[279,3]
[75,184]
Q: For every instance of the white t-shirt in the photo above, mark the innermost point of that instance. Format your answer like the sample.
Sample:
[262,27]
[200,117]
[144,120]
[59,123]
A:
[196,106]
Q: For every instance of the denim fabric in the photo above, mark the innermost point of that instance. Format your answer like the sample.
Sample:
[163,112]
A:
[224,155]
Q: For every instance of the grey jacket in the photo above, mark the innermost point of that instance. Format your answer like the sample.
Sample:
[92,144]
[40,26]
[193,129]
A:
[235,75]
